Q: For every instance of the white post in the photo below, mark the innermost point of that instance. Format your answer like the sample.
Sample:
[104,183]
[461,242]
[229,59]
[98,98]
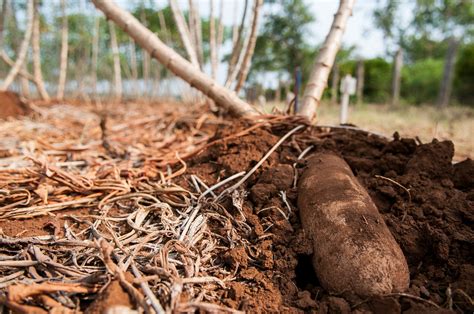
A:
[348,87]
[344,108]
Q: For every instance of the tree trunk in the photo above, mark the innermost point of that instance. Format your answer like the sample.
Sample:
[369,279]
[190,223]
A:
[184,33]
[334,83]
[22,73]
[220,34]
[278,92]
[25,83]
[162,21]
[145,58]
[95,53]
[173,61]
[245,67]
[156,79]
[360,81]
[116,57]
[3,19]
[212,41]
[235,27]
[16,43]
[37,72]
[448,73]
[237,47]
[134,65]
[319,75]
[397,75]
[64,52]
[23,50]
[196,31]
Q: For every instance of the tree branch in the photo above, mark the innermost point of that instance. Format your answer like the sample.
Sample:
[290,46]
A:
[173,61]
[325,60]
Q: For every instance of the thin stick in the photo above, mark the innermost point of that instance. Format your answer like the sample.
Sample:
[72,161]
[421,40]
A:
[397,184]
[217,185]
[235,186]
[146,289]
[414,297]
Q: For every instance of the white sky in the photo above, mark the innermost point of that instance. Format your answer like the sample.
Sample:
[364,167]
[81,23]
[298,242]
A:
[360,29]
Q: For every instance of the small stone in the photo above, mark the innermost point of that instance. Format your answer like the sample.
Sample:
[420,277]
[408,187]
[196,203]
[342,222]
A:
[424,292]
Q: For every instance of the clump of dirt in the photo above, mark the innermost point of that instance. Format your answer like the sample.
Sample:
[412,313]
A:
[11,105]
[113,299]
[427,202]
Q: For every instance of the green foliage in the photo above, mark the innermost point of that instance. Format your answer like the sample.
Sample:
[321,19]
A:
[445,16]
[149,16]
[420,81]
[419,47]
[464,75]
[81,28]
[281,45]
[377,78]
[387,18]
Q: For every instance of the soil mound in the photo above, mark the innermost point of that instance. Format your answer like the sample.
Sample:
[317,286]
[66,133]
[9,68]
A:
[11,105]
[196,251]
[426,201]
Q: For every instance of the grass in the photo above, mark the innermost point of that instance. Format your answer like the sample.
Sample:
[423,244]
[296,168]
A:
[427,122]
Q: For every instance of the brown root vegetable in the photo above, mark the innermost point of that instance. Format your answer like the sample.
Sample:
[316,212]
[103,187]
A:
[354,250]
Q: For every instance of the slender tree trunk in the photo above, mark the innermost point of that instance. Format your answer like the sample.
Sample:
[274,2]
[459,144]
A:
[23,50]
[156,80]
[196,31]
[278,92]
[184,33]
[22,73]
[397,75]
[235,26]
[134,65]
[95,54]
[145,59]
[64,52]
[244,69]
[237,66]
[116,57]
[16,44]
[166,33]
[319,75]
[360,81]
[212,41]
[220,35]
[3,19]
[334,83]
[448,73]
[25,83]
[237,47]
[173,61]
[37,72]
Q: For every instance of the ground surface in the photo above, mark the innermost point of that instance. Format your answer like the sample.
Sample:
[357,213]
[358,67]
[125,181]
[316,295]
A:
[113,209]
[426,122]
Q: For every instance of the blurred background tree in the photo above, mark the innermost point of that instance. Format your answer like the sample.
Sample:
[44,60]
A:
[286,41]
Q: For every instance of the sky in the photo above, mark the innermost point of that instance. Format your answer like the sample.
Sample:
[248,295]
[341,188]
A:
[360,30]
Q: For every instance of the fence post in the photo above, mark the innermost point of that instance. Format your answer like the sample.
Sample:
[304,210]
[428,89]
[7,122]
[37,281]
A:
[348,87]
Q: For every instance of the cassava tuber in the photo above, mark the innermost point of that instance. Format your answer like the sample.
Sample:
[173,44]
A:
[354,250]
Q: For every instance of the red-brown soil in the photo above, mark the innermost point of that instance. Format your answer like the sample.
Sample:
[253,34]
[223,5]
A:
[426,201]
[11,105]
[432,222]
